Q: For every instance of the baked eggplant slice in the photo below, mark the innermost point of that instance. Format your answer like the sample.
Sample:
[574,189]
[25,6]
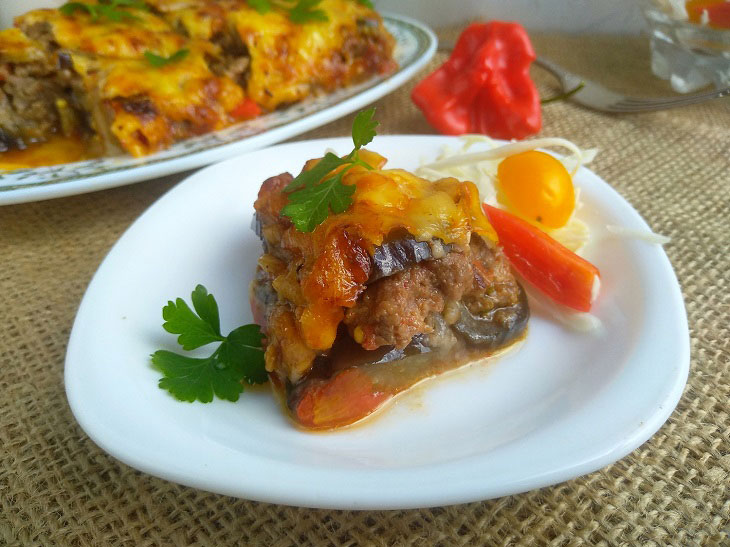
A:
[406,284]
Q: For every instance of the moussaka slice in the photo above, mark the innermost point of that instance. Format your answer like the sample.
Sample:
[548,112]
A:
[37,94]
[281,59]
[407,283]
[138,76]
[138,85]
[146,107]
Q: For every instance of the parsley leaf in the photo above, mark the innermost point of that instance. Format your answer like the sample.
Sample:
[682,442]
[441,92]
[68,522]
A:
[194,330]
[314,192]
[159,61]
[239,358]
[301,12]
[262,6]
[113,14]
[363,128]
[107,9]
[366,3]
[70,7]
[244,350]
[304,12]
[316,173]
[309,207]
[138,4]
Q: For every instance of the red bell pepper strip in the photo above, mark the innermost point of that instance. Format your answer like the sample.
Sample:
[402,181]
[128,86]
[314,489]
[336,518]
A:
[246,109]
[339,401]
[555,270]
[485,86]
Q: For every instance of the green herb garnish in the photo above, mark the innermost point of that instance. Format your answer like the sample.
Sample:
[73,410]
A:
[106,8]
[299,11]
[158,61]
[262,6]
[137,4]
[303,11]
[239,358]
[314,193]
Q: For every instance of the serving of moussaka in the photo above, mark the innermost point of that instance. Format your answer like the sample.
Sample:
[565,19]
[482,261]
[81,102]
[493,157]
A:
[407,283]
[110,77]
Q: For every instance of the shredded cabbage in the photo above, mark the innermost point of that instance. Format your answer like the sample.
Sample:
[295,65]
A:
[572,319]
[643,235]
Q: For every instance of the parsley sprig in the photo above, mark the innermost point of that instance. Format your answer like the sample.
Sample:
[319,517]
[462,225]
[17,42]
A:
[316,192]
[299,11]
[239,358]
[305,11]
[159,61]
[108,9]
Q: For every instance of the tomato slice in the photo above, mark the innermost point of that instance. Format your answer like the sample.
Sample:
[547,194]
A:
[719,15]
[555,270]
[718,12]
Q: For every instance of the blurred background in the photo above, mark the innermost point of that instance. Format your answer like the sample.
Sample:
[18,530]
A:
[573,16]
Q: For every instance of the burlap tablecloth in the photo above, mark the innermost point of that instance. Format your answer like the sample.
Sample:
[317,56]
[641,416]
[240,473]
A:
[58,488]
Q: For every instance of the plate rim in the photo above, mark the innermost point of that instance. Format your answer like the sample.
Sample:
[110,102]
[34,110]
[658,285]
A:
[344,501]
[26,192]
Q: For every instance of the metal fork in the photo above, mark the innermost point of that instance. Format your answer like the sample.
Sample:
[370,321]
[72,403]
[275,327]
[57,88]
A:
[597,97]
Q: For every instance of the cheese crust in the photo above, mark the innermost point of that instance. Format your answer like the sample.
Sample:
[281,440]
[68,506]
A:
[144,79]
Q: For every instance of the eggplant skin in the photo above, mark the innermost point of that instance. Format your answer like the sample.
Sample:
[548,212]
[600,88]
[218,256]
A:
[397,255]
[389,258]
[496,328]
[9,141]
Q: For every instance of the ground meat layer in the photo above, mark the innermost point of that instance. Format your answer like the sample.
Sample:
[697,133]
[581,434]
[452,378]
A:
[395,309]
[28,111]
[37,101]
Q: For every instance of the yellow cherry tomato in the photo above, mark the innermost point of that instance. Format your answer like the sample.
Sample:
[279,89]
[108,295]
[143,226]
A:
[537,187]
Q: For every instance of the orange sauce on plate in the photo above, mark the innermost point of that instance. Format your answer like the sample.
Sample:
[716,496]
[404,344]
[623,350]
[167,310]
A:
[53,152]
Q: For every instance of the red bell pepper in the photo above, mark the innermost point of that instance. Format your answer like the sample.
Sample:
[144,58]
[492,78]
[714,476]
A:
[246,109]
[339,401]
[485,86]
[555,270]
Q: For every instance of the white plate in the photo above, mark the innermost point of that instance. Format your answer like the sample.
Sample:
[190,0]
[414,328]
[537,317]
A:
[563,405]
[415,45]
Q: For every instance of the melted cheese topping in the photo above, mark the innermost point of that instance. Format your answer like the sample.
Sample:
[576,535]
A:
[147,108]
[15,47]
[53,152]
[152,107]
[201,19]
[126,39]
[385,200]
[290,61]
[332,264]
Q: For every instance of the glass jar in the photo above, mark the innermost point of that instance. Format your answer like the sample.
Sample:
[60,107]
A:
[690,55]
